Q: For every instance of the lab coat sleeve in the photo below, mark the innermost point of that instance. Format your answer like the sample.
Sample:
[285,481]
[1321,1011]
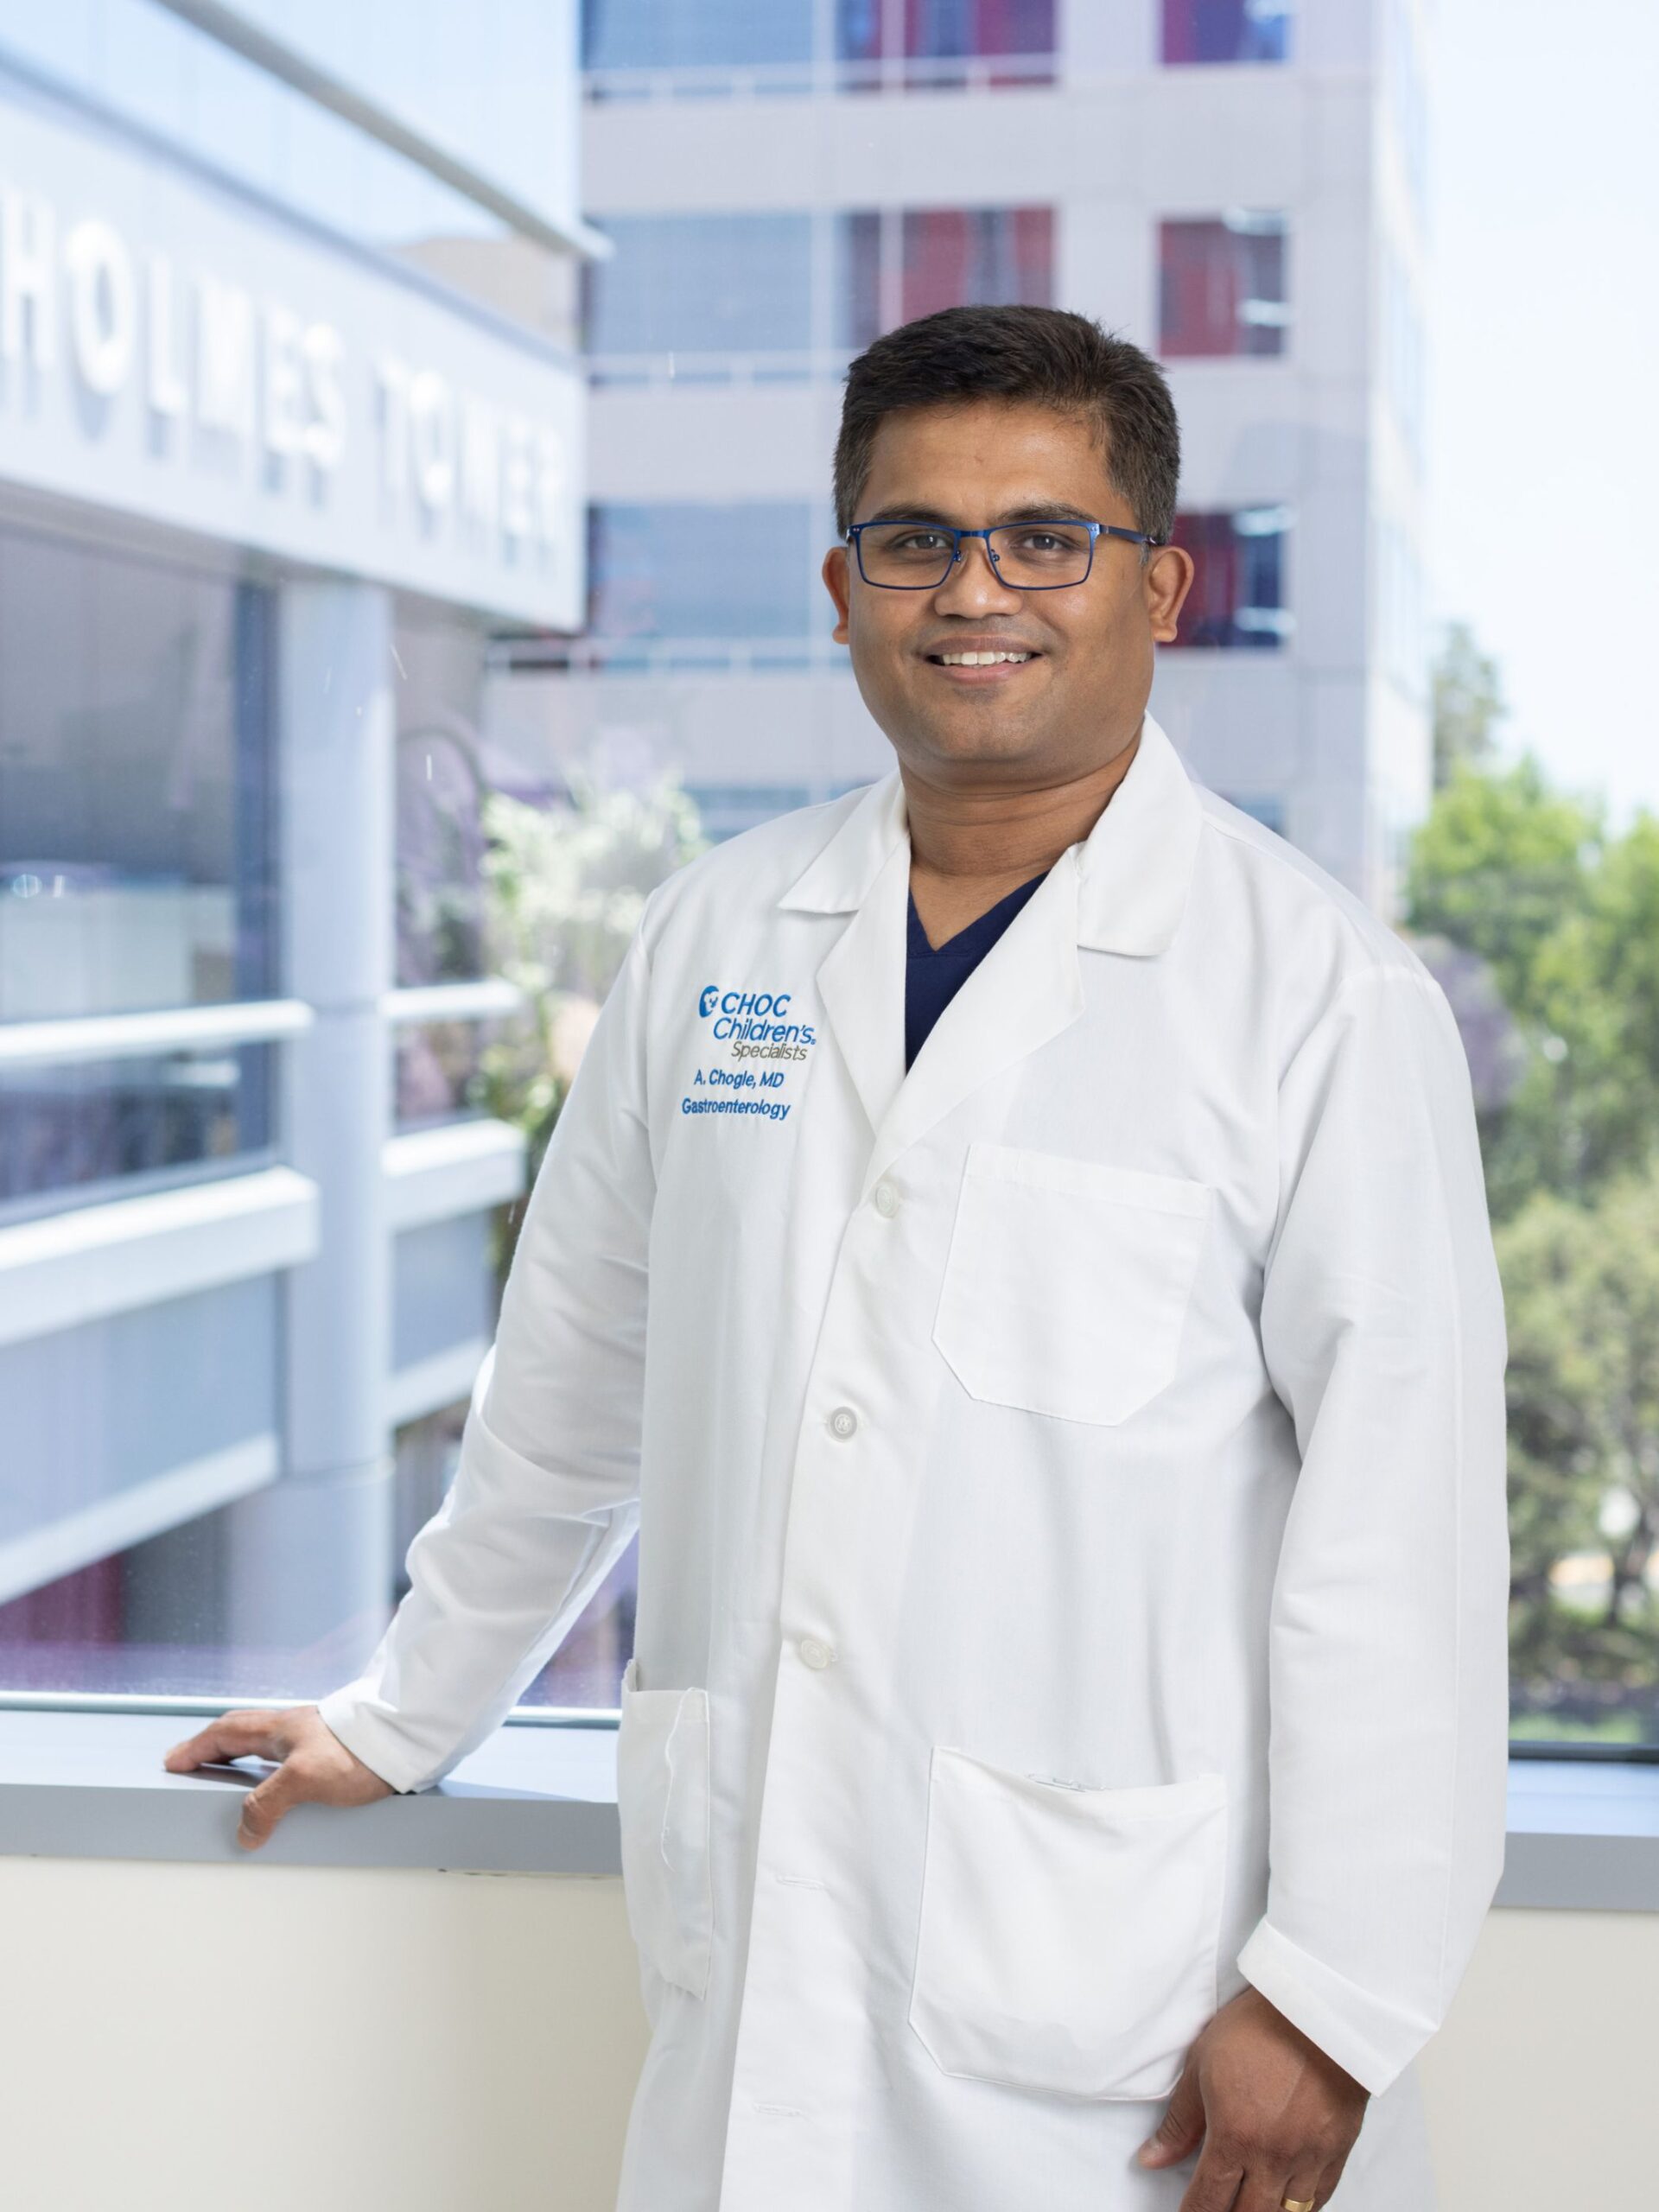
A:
[1382,1328]
[545,1495]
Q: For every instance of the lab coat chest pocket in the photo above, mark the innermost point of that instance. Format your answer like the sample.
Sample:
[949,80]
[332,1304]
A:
[1067,1281]
[1068,1935]
[663,1810]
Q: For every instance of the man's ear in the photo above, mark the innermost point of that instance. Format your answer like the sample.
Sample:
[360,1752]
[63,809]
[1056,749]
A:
[1168,580]
[835,583]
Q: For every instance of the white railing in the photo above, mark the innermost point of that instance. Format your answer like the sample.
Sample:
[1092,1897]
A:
[144,1036]
[479,1001]
[247,1022]
[780,366]
[970,73]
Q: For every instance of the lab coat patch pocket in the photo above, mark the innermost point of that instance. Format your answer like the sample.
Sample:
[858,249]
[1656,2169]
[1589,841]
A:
[663,1806]
[1067,1281]
[1069,1935]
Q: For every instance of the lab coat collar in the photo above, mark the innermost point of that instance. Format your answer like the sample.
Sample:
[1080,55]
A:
[1120,889]
[1134,867]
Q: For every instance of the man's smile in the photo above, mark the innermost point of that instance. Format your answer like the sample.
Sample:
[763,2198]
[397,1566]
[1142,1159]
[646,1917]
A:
[981,660]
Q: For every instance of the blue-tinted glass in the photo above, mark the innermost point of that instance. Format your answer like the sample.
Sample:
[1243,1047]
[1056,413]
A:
[1237,595]
[1226,30]
[943,30]
[690,571]
[690,33]
[134,774]
[702,284]
[82,1127]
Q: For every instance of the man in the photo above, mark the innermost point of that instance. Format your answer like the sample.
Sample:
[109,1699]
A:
[1069,1700]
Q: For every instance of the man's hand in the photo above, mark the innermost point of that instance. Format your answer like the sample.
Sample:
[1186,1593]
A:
[1277,2116]
[315,1767]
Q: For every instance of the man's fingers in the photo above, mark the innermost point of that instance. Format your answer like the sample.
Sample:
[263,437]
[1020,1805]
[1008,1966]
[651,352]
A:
[246,1734]
[1215,2184]
[1181,2126]
[263,1808]
[1313,2185]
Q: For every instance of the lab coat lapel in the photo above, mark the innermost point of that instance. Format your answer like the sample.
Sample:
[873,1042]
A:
[1122,889]
[861,985]
[1025,990]
[865,867]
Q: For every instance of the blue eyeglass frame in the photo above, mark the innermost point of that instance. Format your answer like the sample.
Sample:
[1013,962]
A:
[1095,530]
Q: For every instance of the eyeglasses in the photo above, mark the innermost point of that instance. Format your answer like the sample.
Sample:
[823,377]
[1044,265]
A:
[1026,556]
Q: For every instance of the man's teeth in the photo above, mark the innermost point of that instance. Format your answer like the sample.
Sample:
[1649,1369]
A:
[978,660]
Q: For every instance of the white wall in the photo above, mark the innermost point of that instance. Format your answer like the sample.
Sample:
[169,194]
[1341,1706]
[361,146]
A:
[190,2038]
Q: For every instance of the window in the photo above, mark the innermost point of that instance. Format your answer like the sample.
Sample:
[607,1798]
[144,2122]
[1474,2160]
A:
[694,33]
[1226,30]
[1221,286]
[440,901]
[896,265]
[781,44]
[136,828]
[690,571]
[1237,597]
[692,285]
[943,30]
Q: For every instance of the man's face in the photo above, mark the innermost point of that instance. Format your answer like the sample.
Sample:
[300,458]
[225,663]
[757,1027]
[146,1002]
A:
[1079,698]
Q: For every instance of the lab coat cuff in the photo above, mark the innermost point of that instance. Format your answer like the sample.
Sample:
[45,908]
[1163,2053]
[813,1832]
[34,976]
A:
[1373,2041]
[367,1737]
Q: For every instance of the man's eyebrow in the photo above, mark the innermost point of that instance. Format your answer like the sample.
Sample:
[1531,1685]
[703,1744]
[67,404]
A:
[1043,511]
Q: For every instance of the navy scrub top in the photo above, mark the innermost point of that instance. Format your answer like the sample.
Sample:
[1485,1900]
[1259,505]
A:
[934,974]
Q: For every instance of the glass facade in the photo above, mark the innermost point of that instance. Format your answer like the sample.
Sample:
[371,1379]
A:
[702,284]
[694,33]
[692,571]
[1237,598]
[166,76]
[919,260]
[1226,30]
[137,858]
[243,793]
[135,774]
[775,44]
[943,30]
[1222,286]
[704,297]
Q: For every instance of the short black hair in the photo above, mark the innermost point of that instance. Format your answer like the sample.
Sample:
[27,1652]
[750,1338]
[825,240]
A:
[1061,360]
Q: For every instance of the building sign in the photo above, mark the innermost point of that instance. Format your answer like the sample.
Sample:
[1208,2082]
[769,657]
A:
[181,352]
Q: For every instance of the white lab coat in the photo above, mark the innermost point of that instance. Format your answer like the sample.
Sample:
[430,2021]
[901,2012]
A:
[1070,1481]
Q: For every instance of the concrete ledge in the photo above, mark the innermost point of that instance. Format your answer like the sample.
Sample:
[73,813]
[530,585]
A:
[1583,1833]
[91,1785]
[541,1799]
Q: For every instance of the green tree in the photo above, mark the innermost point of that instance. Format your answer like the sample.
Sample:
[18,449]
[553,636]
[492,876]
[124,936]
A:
[1499,860]
[1467,704]
[564,887]
[1581,1300]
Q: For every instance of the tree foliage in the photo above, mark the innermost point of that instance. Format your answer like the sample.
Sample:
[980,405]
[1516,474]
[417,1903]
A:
[1566,917]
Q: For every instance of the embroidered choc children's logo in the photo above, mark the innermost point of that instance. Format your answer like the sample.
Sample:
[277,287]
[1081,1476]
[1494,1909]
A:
[746,1027]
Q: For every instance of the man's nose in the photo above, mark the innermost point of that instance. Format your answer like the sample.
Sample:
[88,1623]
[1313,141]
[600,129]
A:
[973,581]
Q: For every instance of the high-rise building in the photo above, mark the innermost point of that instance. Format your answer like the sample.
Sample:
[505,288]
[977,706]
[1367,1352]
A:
[1236,185]
[290,427]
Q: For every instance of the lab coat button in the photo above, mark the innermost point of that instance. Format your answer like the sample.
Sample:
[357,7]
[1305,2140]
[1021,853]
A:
[815,1652]
[887,1200]
[844,1421]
